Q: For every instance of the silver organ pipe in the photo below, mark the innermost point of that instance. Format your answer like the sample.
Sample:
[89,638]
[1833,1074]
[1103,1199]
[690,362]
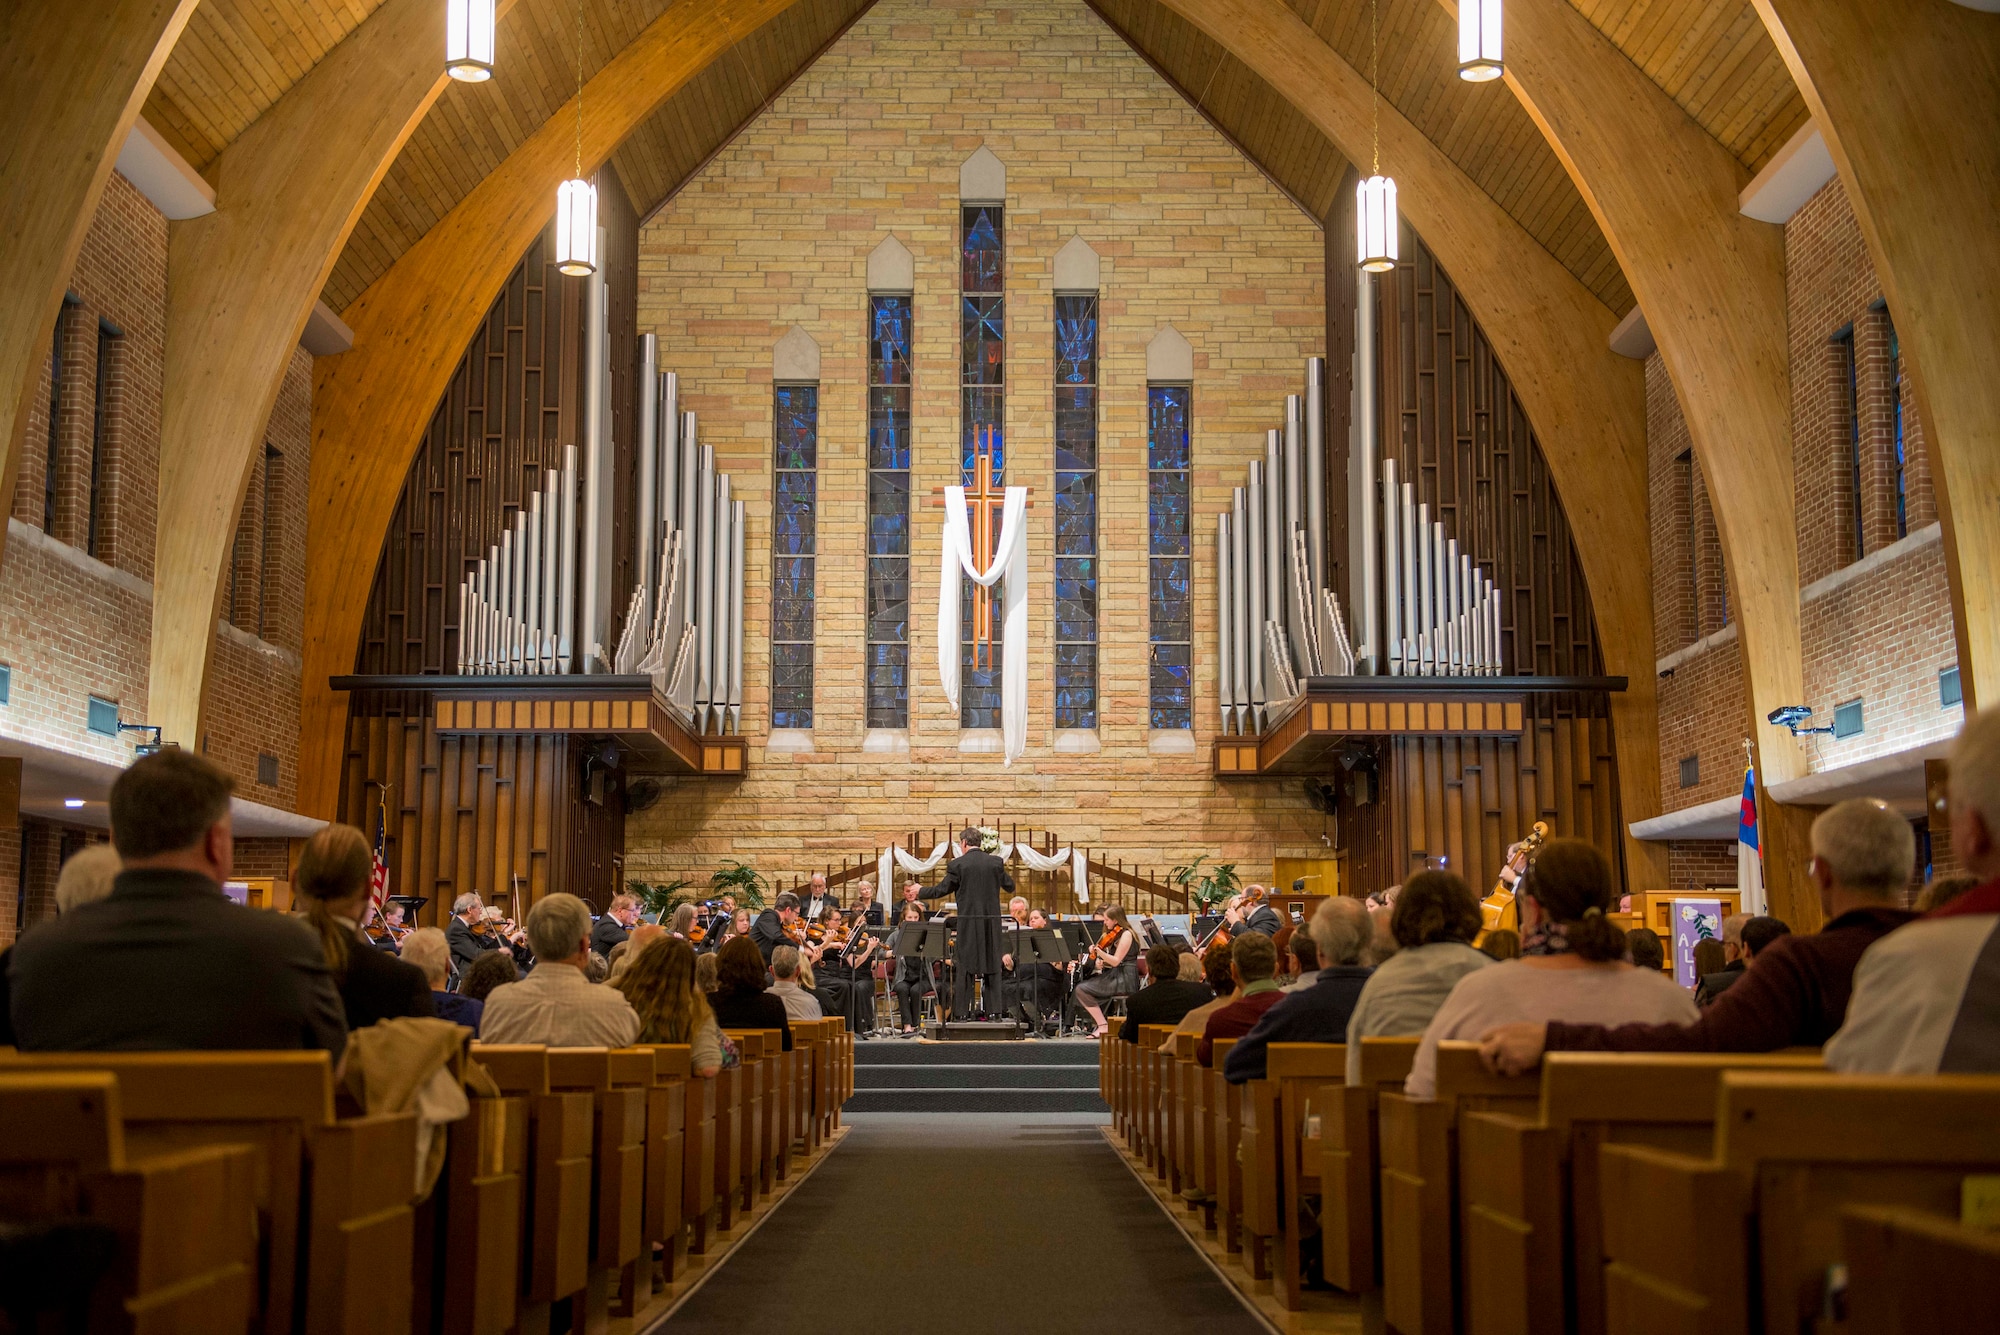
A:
[1391,565]
[591,627]
[1316,468]
[1424,587]
[704,583]
[1452,602]
[565,623]
[1225,643]
[1257,618]
[1239,602]
[1292,445]
[1271,554]
[1407,529]
[725,545]
[736,621]
[645,541]
[1367,441]
[532,593]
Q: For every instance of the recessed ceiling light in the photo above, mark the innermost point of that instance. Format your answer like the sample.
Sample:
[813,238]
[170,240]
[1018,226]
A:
[72,802]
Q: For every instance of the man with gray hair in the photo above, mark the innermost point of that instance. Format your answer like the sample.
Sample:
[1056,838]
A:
[557,1004]
[1927,997]
[467,912]
[1341,929]
[799,1003]
[1864,856]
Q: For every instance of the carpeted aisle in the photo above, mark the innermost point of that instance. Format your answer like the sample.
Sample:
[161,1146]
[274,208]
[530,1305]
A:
[972,1224]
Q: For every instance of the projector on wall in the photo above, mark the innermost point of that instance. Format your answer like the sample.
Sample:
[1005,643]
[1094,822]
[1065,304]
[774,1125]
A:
[1791,717]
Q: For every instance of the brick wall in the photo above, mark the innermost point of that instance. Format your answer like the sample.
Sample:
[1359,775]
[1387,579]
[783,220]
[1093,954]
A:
[1704,713]
[1701,864]
[76,614]
[29,880]
[776,232]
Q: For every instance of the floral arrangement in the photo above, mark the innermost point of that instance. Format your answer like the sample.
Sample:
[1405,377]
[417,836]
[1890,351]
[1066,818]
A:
[989,839]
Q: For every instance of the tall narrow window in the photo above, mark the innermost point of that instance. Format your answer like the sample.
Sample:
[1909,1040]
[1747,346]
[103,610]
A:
[272,539]
[1850,387]
[1896,423]
[1690,543]
[100,427]
[888,510]
[55,424]
[794,544]
[982,363]
[1172,674]
[1076,510]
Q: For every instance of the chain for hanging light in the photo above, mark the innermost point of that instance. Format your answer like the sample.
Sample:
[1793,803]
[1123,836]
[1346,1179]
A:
[1479,40]
[576,198]
[1375,198]
[468,40]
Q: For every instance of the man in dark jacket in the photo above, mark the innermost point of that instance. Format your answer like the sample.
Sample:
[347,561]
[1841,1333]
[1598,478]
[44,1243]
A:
[167,962]
[976,879]
[1796,993]
[468,912]
[1341,929]
[1165,999]
[616,924]
[768,929]
[1248,915]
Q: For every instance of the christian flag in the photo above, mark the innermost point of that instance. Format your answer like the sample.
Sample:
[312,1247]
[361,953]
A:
[1749,853]
[378,875]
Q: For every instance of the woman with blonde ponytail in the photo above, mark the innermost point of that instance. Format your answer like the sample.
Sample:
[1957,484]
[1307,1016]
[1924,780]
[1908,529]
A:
[1572,965]
[332,883]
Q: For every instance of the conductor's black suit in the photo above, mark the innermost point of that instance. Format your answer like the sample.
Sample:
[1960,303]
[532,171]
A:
[977,881]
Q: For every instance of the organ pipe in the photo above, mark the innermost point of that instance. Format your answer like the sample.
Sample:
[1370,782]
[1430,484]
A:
[736,619]
[1391,566]
[1270,554]
[1255,557]
[1224,623]
[645,540]
[1316,468]
[704,583]
[1239,594]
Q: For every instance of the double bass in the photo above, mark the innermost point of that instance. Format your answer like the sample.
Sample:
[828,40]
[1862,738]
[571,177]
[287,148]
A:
[1498,910]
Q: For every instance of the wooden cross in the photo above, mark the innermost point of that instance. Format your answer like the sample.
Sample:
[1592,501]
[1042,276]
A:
[986,504]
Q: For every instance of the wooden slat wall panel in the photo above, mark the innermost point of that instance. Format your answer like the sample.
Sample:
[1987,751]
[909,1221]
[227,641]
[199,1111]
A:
[1456,430]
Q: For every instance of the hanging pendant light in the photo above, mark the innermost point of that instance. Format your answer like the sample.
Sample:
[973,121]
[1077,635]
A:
[1375,225]
[576,198]
[1479,40]
[468,40]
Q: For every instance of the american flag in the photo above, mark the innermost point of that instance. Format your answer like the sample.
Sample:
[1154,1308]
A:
[378,875]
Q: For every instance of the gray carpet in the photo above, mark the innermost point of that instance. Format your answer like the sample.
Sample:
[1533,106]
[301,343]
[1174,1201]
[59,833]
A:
[968,1224]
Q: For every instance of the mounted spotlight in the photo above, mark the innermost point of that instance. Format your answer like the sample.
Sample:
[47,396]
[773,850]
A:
[1791,717]
[1479,40]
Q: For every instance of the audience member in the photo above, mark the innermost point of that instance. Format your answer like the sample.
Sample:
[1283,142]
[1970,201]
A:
[1709,958]
[1165,999]
[1732,937]
[166,961]
[332,881]
[705,972]
[661,990]
[1927,996]
[800,1004]
[1646,951]
[1305,957]
[1502,943]
[427,949]
[627,950]
[1796,994]
[1190,967]
[1759,933]
[468,913]
[1572,964]
[1252,962]
[491,970]
[1434,921]
[1221,981]
[1382,942]
[1319,1014]
[1712,983]
[556,1004]
[1943,890]
[742,998]
[86,877]
[616,924]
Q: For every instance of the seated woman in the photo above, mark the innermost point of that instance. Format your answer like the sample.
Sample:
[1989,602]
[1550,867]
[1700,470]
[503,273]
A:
[742,998]
[427,949]
[1221,980]
[1572,965]
[1432,925]
[495,968]
[1117,968]
[909,977]
[845,969]
[332,879]
[661,986]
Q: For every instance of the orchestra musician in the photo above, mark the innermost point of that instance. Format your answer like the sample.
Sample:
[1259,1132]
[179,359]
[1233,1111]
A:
[844,959]
[1117,957]
[500,932]
[737,924]
[975,878]
[865,905]
[910,979]
[385,928]
[774,925]
[1040,987]
[468,912]
[1250,912]
[816,900]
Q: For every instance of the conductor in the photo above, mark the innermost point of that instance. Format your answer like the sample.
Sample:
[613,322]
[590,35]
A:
[976,877]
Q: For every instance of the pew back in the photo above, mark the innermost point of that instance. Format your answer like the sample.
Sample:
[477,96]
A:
[1350,1179]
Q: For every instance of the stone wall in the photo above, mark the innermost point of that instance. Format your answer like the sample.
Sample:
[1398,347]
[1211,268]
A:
[776,231]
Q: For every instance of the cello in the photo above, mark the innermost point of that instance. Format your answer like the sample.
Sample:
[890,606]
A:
[1498,910]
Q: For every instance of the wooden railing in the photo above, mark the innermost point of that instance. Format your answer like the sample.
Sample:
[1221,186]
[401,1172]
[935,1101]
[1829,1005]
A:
[1137,888]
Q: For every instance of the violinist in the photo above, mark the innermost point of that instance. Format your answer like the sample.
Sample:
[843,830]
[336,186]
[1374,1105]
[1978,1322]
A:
[681,925]
[468,912]
[385,928]
[1116,955]
[1250,912]
[842,979]
[774,925]
[502,933]
[738,924]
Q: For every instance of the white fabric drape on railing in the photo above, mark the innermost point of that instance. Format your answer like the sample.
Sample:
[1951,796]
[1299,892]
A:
[1009,563]
[1079,865]
[894,856]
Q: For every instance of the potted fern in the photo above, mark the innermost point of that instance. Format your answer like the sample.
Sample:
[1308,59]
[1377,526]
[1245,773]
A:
[1206,889]
[741,880]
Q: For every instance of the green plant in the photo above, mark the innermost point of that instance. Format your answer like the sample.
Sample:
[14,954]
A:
[1206,890]
[662,899]
[741,880]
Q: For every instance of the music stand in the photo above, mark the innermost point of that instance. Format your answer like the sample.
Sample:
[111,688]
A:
[1038,946]
[925,942]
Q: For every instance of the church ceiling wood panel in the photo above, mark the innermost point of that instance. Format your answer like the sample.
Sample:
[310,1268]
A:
[235,59]
[666,151]
[1715,59]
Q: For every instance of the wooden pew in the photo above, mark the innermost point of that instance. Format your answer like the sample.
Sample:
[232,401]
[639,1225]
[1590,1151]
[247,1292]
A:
[466,1267]
[1257,1162]
[1309,1078]
[1528,1182]
[186,1254]
[557,1204]
[703,1107]
[1107,1058]
[1350,1201]
[1181,1109]
[666,1157]
[728,1146]
[778,1097]
[617,1080]
[1201,1133]
[1420,1209]
[825,1074]
[1910,1271]
[1226,1104]
[1145,1094]
[1741,1238]
[333,1193]
[755,1074]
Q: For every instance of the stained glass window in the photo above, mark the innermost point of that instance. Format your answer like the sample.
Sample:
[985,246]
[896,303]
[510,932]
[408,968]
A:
[888,658]
[1076,509]
[794,544]
[1171,590]
[982,363]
